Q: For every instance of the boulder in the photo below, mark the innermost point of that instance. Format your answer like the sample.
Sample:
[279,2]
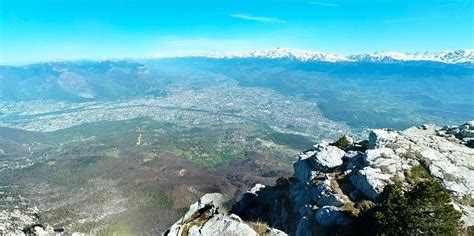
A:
[370,181]
[470,124]
[324,195]
[380,137]
[40,230]
[303,171]
[331,216]
[304,227]
[300,195]
[206,217]
[323,156]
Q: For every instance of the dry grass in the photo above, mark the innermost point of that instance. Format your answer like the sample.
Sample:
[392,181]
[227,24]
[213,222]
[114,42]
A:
[261,228]
[350,208]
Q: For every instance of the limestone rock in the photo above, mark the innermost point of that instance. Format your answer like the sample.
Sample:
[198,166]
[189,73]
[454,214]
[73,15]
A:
[331,186]
[370,181]
[331,216]
[379,137]
[381,167]
[324,195]
[303,171]
[323,156]
[205,217]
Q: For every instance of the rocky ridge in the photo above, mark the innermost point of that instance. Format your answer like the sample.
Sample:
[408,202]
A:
[208,217]
[334,182]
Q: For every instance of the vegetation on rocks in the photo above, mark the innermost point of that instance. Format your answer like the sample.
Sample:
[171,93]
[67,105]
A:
[419,173]
[343,143]
[425,209]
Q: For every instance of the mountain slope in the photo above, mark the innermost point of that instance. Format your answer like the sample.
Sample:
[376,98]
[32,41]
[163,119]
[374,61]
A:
[336,183]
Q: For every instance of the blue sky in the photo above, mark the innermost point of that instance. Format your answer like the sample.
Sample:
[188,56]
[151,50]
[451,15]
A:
[34,30]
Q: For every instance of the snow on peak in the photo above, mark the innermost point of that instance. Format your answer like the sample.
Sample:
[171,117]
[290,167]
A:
[457,56]
[453,56]
[280,53]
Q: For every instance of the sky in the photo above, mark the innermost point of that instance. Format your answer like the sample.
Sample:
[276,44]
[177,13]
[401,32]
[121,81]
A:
[42,30]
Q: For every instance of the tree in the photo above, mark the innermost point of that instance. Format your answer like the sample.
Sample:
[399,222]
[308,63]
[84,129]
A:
[426,209]
[430,210]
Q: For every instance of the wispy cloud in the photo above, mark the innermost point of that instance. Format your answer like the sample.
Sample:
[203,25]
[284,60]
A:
[257,18]
[324,4]
[405,20]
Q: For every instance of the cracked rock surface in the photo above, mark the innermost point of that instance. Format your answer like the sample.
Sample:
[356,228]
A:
[334,182]
[207,217]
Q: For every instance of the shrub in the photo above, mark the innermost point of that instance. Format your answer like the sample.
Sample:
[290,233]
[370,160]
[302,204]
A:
[431,210]
[426,209]
[419,173]
[470,143]
[343,143]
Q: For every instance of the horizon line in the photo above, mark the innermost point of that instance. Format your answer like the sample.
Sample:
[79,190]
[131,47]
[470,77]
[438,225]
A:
[216,54]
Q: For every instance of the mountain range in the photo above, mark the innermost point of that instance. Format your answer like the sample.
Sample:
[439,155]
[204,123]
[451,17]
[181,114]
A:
[127,145]
[451,57]
[391,92]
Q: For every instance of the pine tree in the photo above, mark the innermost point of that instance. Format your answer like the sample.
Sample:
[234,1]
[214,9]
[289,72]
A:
[426,209]
[391,214]
[430,210]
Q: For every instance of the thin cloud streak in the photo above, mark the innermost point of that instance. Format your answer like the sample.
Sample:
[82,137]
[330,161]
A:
[404,20]
[324,4]
[257,18]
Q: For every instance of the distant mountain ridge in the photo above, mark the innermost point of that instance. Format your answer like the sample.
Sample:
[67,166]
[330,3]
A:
[450,57]
[393,94]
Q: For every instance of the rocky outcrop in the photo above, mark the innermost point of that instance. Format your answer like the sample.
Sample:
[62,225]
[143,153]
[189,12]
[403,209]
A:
[335,182]
[207,217]
[42,230]
[25,221]
[323,156]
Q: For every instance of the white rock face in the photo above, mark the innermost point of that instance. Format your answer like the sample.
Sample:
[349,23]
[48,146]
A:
[390,156]
[448,158]
[323,156]
[318,159]
[393,152]
[379,137]
[324,195]
[222,225]
[383,166]
[258,187]
[40,231]
[445,151]
[211,199]
[204,217]
[370,181]
[332,186]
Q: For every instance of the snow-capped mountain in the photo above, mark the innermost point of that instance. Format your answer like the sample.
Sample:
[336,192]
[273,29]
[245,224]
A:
[279,53]
[451,57]
[457,56]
